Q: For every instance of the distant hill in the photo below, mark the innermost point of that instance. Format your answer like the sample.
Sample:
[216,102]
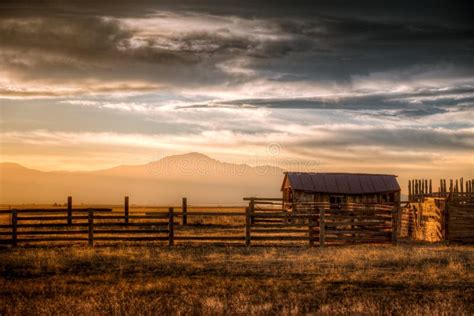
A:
[201,179]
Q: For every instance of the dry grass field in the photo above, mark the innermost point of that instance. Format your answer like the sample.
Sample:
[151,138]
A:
[129,280]
[150,278]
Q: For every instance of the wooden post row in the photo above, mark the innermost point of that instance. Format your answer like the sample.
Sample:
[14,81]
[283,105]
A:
[14,227]
[126,209]
[69,210]
[185,211]
[247,226]
[170,227]
[90,220]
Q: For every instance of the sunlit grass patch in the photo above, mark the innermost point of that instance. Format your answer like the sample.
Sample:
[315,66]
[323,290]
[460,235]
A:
[407,279]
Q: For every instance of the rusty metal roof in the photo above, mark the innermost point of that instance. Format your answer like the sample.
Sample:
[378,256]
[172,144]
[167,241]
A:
[342,183]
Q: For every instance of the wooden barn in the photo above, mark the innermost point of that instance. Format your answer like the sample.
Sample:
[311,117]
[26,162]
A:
[339,189]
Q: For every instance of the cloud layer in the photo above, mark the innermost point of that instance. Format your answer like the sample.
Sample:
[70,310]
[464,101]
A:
[382,83]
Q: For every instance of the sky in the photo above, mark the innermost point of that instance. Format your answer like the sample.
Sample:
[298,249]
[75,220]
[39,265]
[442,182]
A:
[355,86]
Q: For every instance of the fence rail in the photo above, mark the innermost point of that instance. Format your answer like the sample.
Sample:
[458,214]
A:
[262,222]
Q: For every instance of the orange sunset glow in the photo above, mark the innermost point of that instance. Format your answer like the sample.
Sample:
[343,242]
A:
[236,157]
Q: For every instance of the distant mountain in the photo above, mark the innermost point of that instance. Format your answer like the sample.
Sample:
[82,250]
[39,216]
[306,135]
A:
[203,180]
[190,165]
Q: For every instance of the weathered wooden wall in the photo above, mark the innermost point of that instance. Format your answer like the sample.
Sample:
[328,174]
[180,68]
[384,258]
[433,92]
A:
[460,218]
[306,197]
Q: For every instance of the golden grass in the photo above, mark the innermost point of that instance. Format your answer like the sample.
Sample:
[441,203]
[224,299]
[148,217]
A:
[129,280]
[151,279]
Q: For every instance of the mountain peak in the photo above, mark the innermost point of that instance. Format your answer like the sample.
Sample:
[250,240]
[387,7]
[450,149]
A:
[193,154]
[13,166]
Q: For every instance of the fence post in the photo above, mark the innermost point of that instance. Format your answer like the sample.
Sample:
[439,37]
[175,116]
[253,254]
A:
[247,226]
[69,210]
[311,222]
[126,209]
[446,222]
[322,226]
[14,227]
[170,227]
[252,210]
[353,236]
[90,220]
[184,209]
[409,190]
[395,223]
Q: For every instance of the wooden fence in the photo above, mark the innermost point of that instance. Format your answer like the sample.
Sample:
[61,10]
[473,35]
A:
[459,217]
[263,221]
[440,216]
[418,189]
[317,222]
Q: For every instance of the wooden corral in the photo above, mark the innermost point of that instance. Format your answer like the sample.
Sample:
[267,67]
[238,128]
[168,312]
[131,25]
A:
[323,224]
[447,214]
[264,221]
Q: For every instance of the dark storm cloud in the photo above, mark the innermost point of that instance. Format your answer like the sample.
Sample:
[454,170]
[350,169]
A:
[317,41]
[421,9]
[60,44]
[402,138]
[104,48]
[422,103]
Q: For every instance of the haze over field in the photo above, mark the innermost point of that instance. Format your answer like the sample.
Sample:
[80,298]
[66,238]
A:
[334,86]
[201,179]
